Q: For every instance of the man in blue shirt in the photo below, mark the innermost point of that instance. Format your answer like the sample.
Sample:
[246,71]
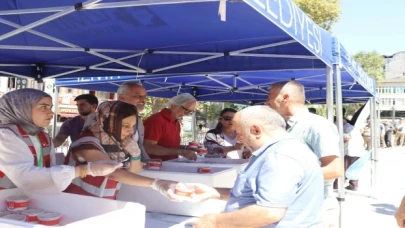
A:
[282,186]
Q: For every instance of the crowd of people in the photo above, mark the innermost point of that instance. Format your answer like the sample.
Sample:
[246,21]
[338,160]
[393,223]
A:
[293,153]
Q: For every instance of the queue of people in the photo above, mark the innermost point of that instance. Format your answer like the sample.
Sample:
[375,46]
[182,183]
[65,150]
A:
[293,162]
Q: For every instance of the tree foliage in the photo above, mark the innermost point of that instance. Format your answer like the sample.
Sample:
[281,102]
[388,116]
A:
[324,12]
[372,63]
[153,105]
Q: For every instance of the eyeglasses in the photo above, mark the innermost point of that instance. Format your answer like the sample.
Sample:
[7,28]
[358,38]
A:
[187,110]
[227,118]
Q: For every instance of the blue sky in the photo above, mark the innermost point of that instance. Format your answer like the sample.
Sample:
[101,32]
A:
[367,25]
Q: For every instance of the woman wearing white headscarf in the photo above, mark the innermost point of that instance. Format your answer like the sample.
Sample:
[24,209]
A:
[27,157]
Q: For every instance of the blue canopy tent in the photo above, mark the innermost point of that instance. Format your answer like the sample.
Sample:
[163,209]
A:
[239,87]
[170,39]
[107,38]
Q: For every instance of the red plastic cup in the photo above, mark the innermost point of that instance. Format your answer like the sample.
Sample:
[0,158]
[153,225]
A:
[204,169]
[154,164]
[202,151]
[196,144]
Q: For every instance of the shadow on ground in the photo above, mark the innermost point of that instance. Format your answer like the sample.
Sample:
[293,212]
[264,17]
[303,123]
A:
[385,209]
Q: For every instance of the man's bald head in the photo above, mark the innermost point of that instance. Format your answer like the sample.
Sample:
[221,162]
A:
[294,90]
[256,125]
[285,97]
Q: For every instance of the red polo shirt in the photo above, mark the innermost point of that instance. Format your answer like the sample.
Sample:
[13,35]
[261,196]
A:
[161,127]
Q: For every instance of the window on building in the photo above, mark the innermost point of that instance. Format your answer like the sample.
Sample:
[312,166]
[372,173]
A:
[399,101]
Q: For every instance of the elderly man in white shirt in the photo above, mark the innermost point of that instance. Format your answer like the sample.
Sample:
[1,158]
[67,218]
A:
[321,135]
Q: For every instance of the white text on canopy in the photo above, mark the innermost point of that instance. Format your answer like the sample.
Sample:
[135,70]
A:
[291,19]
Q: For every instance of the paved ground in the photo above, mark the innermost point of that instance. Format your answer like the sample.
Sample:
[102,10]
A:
[361,211]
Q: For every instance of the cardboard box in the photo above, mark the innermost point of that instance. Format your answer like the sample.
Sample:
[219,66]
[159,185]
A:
[79,211]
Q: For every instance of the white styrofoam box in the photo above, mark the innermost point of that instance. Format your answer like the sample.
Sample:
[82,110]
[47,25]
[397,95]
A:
[155,220]
[238,164]
[79,211]
[220,177]
[156,202]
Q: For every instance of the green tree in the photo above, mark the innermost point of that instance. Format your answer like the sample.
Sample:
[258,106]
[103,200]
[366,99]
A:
[372,63]
[153,105]
[324,12]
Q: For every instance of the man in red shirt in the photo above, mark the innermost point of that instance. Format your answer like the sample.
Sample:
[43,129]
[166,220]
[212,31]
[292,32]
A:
[162,129]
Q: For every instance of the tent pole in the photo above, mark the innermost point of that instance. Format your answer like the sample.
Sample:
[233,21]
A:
[193,126]
[339,122]
[374,135]
[329,93]
[55,110]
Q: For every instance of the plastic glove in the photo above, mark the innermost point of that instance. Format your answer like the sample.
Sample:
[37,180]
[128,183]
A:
[102,168]
[203,192]
[166,188]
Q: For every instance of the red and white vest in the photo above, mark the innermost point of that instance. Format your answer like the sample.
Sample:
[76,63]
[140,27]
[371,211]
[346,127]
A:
[90,186]
[5,182]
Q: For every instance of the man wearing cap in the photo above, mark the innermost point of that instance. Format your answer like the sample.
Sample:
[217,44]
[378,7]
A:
[162,129]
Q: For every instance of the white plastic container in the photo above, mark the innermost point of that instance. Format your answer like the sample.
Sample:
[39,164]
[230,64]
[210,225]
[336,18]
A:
[17,203]
[16,217]
[3,213]
[32,214]
[154,201]
[49,218]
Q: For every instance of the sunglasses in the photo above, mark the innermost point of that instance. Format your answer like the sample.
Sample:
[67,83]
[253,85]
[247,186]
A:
[187,110]
[226,118]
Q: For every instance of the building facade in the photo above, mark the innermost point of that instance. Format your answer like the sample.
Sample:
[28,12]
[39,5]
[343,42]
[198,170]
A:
[391,90]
